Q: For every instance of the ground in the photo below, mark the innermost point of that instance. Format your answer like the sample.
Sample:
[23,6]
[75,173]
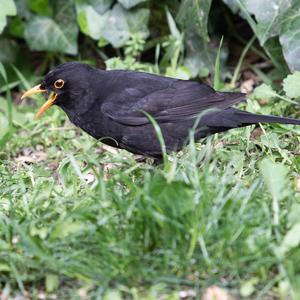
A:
[79,220]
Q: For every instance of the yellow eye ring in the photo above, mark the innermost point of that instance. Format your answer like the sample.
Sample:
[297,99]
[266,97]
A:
[59,83]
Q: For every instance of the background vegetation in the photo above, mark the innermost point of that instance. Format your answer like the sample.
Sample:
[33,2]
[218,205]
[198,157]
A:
[79,220]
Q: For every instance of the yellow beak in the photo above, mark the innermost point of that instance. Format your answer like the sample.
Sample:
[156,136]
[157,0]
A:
[35,90]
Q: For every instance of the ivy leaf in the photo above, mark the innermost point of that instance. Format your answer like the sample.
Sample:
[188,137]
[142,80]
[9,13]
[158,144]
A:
[8,50]
[51,38]
[90,21]
[8,8]
[121,24]
[55,35]
[201,56]
[101,6]
[137,20]
[264,91]
[268,16]
[291,85]
[193,16]
[130,3]
[40,7]
[290,37]
[116,30]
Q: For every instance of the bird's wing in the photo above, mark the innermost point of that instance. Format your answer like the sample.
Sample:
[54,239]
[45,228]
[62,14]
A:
[179,100]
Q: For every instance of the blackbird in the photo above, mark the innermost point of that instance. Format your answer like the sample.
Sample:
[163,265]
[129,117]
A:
[111,106]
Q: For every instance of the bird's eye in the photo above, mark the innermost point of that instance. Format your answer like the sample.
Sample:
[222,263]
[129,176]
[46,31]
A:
[59,83]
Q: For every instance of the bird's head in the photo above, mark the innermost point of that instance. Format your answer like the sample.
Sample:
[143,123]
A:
[66,86]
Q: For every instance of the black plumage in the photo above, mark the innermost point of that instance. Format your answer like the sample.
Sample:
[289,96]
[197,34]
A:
[110,105]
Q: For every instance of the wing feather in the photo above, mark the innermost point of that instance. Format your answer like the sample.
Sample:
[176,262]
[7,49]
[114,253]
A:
[180,101]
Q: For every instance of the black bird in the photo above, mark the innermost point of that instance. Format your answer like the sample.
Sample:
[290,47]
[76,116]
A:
[110,105]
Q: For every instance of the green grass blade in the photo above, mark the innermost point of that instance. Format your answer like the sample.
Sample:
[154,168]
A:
[159,136]
[217,82]
[240,62]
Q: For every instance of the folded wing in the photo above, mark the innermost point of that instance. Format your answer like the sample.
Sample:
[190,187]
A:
[180,100]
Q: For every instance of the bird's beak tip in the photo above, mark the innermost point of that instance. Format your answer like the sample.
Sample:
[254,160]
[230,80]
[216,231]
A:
[35,90]
[38,89]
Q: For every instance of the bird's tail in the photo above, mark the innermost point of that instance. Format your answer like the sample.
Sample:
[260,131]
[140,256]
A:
[246,118]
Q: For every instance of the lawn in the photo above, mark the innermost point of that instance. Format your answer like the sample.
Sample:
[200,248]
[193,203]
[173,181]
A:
[80,220]
[219,220]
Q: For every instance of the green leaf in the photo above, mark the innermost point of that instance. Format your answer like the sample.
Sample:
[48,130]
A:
[90,21]
[41,7]
[291,239]
[112,295]
[290,37]
[52,283]
[270,140]
[121,24]
[172,25]
[4,125]
[51,38]
[169,195]
[16,27]
[193,16]
[130,3]
[267,14]
[7,8]
[291,85]
[116,30]
[101,6]
[275,176]
[249,287]
[233,5]
[274,51]
[66,228]
[137,20]
[55,35]
[201,56]
[264,91]
[294,214]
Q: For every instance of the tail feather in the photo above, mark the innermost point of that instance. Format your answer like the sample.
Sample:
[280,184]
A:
[247,118]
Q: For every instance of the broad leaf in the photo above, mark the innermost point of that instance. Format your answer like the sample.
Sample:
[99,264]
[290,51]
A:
[7,8]
[90,21]
[8,50]
[201,56]
[267,14]
[271,21]
[193,16]
[130,3]
[41,7]
[291,239]
[137,20]
[264,92]
[121,24]
[51,38]
[101,6]
[290,37]
[116,30]
[56,35]
[291,85]
[275,176]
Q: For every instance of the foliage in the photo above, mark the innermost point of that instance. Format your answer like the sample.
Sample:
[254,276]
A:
[79,220]
[91,217]
[274,22]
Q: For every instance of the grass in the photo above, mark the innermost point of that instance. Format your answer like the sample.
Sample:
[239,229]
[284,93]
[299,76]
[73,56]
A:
[80,221]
